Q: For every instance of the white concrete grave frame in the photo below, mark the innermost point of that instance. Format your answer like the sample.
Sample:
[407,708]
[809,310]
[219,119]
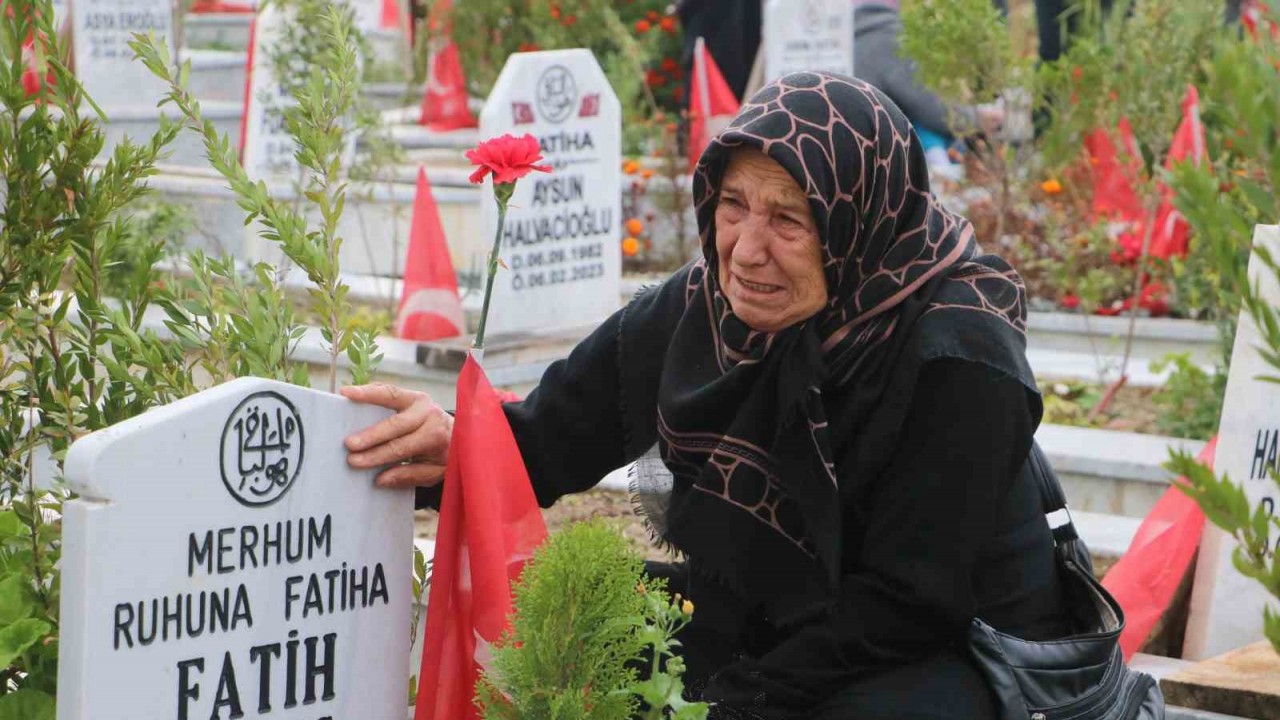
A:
[222,559]
[807,35]
[562,233]
[1226,607]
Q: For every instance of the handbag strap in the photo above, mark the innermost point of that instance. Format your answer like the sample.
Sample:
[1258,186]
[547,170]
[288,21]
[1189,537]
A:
[1053,499]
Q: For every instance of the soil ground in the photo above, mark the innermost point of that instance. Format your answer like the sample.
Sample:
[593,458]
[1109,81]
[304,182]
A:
[612,506]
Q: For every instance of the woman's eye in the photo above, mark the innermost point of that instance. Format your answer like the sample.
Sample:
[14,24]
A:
[731,202]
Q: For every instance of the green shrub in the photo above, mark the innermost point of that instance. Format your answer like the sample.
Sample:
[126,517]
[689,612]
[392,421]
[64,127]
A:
[1190,400]
[585,616]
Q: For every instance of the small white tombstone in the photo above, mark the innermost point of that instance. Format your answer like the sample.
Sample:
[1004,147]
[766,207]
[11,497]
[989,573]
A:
[807,35]
[223,561]
[1226,607]
[268,148]
[562,234]
[104,63]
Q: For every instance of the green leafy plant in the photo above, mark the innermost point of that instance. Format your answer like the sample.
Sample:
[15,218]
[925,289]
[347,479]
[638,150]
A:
[1190,400]
[585,616]
[65,346]
[318,122]
[964,52]
[634,40]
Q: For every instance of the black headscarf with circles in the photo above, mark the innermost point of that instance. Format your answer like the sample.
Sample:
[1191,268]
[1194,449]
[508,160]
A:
[746,418]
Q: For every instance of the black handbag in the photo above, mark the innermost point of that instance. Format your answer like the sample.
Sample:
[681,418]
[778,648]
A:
[1078,677]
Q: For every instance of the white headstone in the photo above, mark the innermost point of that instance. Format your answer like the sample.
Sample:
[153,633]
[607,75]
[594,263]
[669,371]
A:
[223,559]
[807,35]
[268,148]
[368,14]
[561,242]
[1226,607]
[104,63]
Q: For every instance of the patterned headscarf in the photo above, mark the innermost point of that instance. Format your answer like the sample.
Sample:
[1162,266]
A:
[743,415]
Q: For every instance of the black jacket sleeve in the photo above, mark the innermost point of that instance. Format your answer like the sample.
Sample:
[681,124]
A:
[596,410]
[907,592]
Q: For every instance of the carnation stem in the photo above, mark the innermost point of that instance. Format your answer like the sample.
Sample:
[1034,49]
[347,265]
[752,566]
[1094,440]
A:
[493,271]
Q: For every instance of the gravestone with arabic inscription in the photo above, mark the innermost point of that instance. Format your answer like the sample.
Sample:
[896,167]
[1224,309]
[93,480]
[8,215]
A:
[561,239]
[222,561]
[810,35]
[1226,607]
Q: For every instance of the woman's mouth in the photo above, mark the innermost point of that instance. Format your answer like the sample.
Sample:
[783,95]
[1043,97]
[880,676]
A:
[757,287]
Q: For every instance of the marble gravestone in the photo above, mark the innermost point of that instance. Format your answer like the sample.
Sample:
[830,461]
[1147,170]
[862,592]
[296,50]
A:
[563,229]
[807,35]
[101,30]
[268,148]
[1226,607]
[222,561]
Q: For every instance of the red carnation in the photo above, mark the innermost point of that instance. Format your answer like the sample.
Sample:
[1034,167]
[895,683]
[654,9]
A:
[509,158]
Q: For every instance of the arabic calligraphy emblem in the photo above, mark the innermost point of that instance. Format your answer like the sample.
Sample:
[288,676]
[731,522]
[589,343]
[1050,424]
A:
[557,93]
[261,449]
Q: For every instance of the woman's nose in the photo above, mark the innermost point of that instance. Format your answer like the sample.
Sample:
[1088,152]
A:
[752,247]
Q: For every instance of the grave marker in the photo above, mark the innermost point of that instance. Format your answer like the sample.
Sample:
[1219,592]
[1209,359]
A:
[807,35]
[223,561]
[1226,607]
[561,239]
[104,63]
[268,148]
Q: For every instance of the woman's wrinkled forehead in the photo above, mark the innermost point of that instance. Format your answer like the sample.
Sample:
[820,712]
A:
[749,171]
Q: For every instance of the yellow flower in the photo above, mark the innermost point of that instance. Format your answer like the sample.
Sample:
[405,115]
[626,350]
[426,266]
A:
[1051,187]
[686,607]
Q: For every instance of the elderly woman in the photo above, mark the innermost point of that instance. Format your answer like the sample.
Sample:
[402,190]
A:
[839,391]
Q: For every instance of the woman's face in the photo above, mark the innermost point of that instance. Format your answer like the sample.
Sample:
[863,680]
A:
[767,244]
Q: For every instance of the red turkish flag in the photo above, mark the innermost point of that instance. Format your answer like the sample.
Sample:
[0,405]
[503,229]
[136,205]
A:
[1114,173]
[1169,235]
[390,15]
[490,525]
[1146,578]
[248,85]
[444,102]
[711,105]
[429,305]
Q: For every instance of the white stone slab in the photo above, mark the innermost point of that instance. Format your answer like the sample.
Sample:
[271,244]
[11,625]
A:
[268,148]
[561,242]
[1226,607]
[104,62]
[807,35]
[238,498]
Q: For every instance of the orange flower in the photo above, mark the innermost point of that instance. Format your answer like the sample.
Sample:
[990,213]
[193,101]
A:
[1051,187]
[634,226]
[652,16]
[569,21]
[646,173]
[509,158]
[630,167]
[668,24]
[555,11]
[630,246]
[642,26]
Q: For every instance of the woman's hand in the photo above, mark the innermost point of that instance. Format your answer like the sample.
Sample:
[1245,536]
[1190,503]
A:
[415,441]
